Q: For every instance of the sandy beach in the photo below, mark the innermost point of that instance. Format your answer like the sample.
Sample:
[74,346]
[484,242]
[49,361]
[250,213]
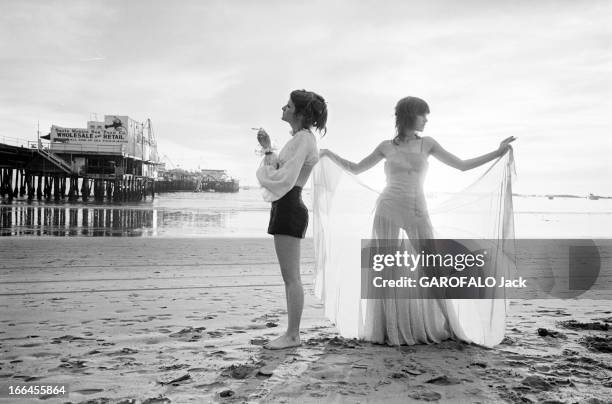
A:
[159,320]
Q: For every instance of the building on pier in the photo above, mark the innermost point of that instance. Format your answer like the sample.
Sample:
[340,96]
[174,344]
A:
[113,148]
[217,181]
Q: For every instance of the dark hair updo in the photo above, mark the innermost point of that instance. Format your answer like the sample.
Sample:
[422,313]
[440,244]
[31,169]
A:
[406,111]
[312,107]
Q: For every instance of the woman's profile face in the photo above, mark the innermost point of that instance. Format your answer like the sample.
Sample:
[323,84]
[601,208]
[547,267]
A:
[419,122]
[289,112]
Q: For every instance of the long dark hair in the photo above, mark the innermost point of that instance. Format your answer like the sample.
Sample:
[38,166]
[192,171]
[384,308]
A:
[406,111]
[312,107]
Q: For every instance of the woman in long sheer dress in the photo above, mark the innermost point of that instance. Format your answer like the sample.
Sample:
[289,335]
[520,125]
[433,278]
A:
[401,214]
[282,178]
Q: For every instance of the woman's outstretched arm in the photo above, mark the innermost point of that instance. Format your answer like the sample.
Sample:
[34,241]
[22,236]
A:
[450,159]
[356,168]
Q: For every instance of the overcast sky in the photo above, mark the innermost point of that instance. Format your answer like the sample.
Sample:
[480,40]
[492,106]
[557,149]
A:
[205,72]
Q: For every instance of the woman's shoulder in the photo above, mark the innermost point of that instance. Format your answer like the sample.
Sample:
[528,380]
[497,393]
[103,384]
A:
[304,134]
[305,139]
[385,146]
[428,143]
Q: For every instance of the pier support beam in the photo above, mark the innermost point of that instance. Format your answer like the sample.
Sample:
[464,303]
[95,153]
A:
[73,190]
[22,183]
[9,184]
[39,187]
[30,185]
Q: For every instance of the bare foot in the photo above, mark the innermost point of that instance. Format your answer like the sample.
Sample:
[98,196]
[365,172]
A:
[283,342]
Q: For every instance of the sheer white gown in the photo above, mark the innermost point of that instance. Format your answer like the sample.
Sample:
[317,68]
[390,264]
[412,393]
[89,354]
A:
[483,211]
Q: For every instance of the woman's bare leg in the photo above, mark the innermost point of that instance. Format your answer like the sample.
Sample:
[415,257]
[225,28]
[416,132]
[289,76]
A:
[288,253]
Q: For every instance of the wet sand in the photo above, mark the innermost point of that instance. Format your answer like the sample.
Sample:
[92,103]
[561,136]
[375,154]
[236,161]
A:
[158,320]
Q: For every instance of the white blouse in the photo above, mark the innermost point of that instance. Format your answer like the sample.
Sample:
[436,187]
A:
[298,156]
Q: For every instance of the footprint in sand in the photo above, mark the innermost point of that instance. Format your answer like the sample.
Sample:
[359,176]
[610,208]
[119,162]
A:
[239,371]
[189,334]
[157,400]
[576,325]
[543,332]
[186,378]
[216,334]
[31,345]
[74,366]
[88,391]
[198,370]
[127,351]
[45,354]
[68,338]
[259,341]
[218,353]
[536,383]
[265,318]
[508,341]
[423,394]
[93,352]
[597,343]
[443,381]
[256,327]
[209,385]
[176,366]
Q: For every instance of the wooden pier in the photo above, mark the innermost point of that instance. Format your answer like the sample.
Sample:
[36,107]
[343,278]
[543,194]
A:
[113,160]
[34,172]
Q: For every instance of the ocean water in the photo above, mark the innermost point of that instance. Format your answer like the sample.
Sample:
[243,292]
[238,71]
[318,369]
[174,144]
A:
[245,214]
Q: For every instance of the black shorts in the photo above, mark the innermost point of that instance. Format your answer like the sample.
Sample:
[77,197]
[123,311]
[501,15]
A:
[289,215]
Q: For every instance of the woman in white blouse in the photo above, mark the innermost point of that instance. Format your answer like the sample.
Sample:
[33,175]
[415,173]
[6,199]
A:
[282,179]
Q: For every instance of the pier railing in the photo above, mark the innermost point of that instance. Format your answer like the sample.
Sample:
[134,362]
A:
[15,141]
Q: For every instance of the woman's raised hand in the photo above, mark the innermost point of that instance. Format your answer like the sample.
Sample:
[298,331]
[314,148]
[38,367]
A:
[504,146]
[263,138]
